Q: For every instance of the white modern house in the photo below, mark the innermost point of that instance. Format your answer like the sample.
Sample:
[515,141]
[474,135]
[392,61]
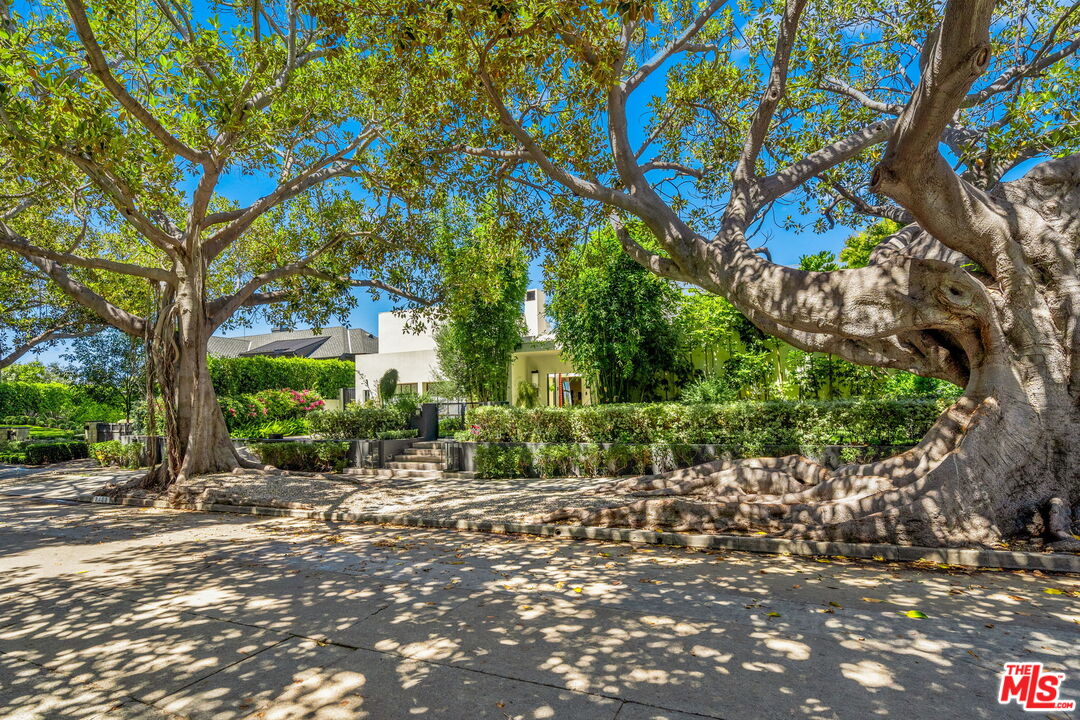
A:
[537,360]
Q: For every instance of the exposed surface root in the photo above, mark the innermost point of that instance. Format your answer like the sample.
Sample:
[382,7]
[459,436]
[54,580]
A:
[195,495]
[927,495]
[1059,527]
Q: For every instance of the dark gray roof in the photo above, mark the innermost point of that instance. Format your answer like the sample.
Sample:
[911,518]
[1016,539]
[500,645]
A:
[298,347]
[336,342]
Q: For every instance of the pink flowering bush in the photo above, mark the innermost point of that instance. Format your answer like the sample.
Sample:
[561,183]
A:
[306,400]
[245,413]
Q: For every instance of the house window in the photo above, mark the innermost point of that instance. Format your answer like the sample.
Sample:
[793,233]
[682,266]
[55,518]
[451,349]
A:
[406,389]
[435,389]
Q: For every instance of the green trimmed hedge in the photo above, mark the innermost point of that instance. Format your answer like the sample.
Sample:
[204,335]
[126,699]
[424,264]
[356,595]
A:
[357,422]
[247,375]
[13,453]
[309,457]
[559,460]
[48,453]
[554,460]
[113,453]
[504,461]
[52,404]
[397,434]
[746,428]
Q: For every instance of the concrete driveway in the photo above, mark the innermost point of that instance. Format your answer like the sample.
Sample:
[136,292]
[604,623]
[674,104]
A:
[122,613]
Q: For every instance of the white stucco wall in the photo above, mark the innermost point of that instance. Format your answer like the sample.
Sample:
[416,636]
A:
[535,320]
[416,366]
[395,338]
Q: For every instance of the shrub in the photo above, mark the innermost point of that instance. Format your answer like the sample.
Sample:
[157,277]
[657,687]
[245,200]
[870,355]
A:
[53,434]
[362,422]
[244,413]
[388,385]
[503,461]
[556,460]
[710,389]
[397,434]
[528,395]
[53,405]
[408,404]
[309,457]
[116,454]
[748,428]
[249,375]
[13,452]
[552,460]
[47,453]
[449,426]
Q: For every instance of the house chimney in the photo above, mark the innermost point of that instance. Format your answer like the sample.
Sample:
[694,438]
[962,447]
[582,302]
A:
[535,322]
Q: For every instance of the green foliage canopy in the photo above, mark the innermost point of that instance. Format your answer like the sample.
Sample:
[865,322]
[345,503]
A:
[484,273]
[614,320]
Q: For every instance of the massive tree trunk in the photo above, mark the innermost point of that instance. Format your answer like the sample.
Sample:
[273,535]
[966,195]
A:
[982,290]
[196,438]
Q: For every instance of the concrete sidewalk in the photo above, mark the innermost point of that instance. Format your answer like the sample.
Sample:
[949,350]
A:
[62,481]
[124,613]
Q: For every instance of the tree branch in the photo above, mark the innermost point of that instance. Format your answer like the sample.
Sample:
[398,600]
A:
[774,92]
[100,67]
[120,319]
[1036,65]
[241,219]
[15,242]
[903,294]
[575,184]
[221,309]
[890,212]
[123,201]
[836,85]
[674,166]
[914,173]
[54,334]
[675,46]
[662,266]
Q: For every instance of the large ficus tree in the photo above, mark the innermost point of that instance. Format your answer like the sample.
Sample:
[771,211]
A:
[701,119]
[162,112]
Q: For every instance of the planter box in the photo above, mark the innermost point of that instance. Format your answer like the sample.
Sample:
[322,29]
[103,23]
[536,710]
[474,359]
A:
[362,453]
[18,434]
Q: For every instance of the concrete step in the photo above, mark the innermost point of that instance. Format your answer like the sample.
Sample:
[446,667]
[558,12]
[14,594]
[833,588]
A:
[394,473]
[427,445]
[421,459]
[397,464]
[422,452]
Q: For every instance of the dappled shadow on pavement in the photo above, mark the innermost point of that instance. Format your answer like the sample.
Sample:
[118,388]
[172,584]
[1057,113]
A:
[124,613]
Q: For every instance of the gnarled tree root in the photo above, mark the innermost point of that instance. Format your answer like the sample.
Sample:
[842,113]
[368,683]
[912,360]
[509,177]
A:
[193,496]
[933,494]
[1059,527]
